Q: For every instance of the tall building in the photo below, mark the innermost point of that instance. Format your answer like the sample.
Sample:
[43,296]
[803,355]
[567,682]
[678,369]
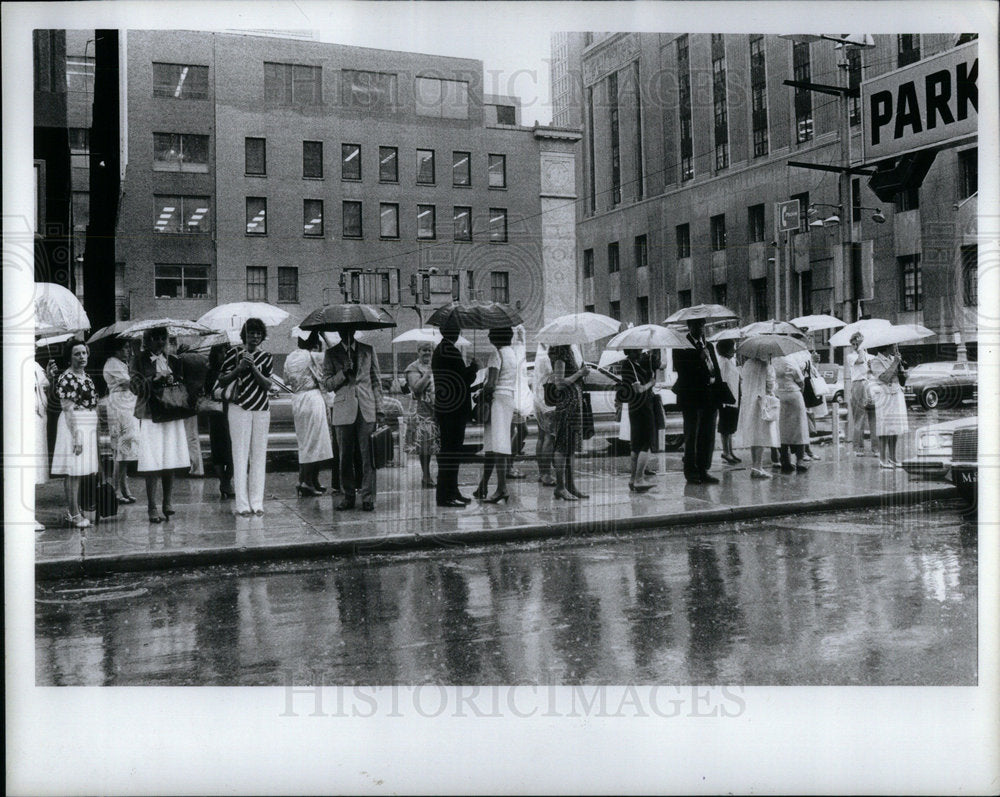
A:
[302,173]
[687,140]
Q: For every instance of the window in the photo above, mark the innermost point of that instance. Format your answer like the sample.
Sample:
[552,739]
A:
[970,275]
[911,283]
[256,215]
[616,163]
[641,251]
[720,293]
[684,109]
[47,61]
[292,85]
[255,155]
[683,235]
[312,218]
[615,310]
[445,99]
[758,288]
[718,231]
[182,214]
[79,139]
[81,210]
[497,171]
[803,210]
[498,224]
[588,263]
[256,283]
[388,216]
[684,298]
[588,308]
[79,73]
[460,173]
[388,165]
[426,227]
[802,71]
[638,181]
[506,115]
[907,199]
[180,82]
[369,91]
[854,83]
[755,224]
[352,220]
[425,167]
[500,287]
[312,159]
[806,289]
[968,172]
[613,263]
[907,49]
[288,284]
[591,168]
[642,309]
[463,223]
[350,162]
[758,95]
[180,152]
[175,281]
[719,102]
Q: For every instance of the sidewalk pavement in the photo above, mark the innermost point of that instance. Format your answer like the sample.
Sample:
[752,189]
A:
[204,530]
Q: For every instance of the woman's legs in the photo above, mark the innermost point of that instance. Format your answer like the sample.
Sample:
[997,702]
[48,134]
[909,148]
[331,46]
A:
[489,460]
[151,508]
[883,450]
[425,469]
[502,463]
[239,431]
[167,479]
[71,484]
[570,481]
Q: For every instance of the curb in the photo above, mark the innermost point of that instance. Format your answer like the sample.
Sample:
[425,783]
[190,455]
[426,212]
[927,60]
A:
[143,562]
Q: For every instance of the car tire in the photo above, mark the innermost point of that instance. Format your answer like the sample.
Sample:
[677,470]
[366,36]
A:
[931,398]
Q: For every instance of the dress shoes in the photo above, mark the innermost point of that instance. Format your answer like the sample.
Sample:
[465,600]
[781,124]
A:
[463,499]
[693,479]
[367,506]
[453,502]
[708,478]
[347,503]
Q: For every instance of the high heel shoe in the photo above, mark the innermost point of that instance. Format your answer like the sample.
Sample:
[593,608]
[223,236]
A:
[305,491]
[577,493]
[639,488]
[565,495]
[496,499]
[126,499]
[77,521]
[480,492]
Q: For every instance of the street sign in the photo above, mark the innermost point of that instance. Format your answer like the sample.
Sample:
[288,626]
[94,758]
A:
[786,216]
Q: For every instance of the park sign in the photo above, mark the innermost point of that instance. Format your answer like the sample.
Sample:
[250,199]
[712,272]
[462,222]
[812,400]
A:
[927,104]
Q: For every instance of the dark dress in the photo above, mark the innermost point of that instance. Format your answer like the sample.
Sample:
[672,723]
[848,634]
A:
[641,410]
[568,415]
[452,410]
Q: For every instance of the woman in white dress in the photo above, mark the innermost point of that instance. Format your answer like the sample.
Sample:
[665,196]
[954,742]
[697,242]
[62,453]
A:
[757,428]
[75,453]
[890,404]
[793,424]
[304,375]
[499,392]
[123,426]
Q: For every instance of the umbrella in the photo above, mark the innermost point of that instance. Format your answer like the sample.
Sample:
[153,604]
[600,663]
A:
[337,317]
[234,314]
[56,306]
[902,333]
[54,339]
[705,311]
[733,333]
[577,328]
[764,347]
[175,326]
[609,357]
[427,335]
[648,336]
[771,327]
[842,337]
[476,315]
[815,323]
[114,330]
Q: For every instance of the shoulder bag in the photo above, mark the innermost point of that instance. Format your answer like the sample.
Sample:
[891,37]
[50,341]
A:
[809,393]
[769,408]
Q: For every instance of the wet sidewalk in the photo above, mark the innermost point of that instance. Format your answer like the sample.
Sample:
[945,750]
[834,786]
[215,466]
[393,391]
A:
[204,530]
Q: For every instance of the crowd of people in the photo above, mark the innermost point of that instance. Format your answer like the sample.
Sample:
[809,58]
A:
[154,395]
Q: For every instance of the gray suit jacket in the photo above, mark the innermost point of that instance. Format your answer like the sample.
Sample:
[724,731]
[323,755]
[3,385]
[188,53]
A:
[362,390]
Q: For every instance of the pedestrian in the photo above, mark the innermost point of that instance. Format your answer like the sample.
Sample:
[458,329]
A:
[453,379]
[76,434]
[890,404]
[729,413]
[793,428]
[522,403]
[638,373]
[421,427]
[249,414]
[544,417]
[218,423]
[857,363]
[155,379]
[698,377]
[304,377]
[811,374]
[44,378]
[498,392]
[123,426]
[350,369]
[567,377]
[194,366]
[757,426]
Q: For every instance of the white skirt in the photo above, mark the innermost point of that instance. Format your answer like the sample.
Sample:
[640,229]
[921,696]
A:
[41,450]
[64,461]
[890,410]
[162,446]
[496,435]
[793,425]
[311,429]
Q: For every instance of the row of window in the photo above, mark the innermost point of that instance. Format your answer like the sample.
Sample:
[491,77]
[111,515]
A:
[425,170]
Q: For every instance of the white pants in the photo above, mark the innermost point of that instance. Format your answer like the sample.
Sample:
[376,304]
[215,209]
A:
[194,446]
[248,431]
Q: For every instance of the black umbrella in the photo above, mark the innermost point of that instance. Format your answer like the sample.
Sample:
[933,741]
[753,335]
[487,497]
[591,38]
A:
[476,315]
[338,317]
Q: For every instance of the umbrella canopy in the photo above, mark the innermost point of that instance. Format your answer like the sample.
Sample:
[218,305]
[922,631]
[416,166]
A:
[649,336]
[56,306]
[705,311]
[842,337]
[577,328]
[764,347]
[901,333]
[427,335]
[337,317]
[732,333]
[234,314]
[609,357]
[114,330]
[771,327]
[815,323]
[476,315]
[175,326]
[54,339]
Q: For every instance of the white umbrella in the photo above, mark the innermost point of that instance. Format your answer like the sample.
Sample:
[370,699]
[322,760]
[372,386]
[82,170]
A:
[842,337]
[902,333]
[577,328]
[764,347]
[648,336]
[733,333]
[234,314]
[56,306]
[609,357]
[707,312]
[54,339]
[174,326]
[817,322]
[427,335]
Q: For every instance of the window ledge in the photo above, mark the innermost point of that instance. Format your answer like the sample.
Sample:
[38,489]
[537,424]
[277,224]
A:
[254,174]
[461,185]
[317,179]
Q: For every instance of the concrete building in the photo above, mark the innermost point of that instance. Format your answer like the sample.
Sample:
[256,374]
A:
[301,173]
[686,150]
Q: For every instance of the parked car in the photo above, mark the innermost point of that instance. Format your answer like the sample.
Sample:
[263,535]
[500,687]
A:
[941,384]
[963,469]
[932,446]
[833,375]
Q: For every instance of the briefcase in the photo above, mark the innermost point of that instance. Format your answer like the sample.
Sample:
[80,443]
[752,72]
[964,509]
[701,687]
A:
[382,446]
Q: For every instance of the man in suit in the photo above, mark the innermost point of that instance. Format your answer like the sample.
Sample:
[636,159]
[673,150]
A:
[452,409]
[697,374]
[350,369]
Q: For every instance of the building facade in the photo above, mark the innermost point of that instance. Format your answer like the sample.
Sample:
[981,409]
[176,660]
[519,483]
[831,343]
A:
[686,146]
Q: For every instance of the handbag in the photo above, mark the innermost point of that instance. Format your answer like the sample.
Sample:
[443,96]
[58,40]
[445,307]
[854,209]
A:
[208,405]
[769,408]
[809,394]
[586,417]
[98,496]
[382,448]
[721,393]
[170,402]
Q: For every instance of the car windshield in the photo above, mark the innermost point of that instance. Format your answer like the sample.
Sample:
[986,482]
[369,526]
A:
[927,368]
